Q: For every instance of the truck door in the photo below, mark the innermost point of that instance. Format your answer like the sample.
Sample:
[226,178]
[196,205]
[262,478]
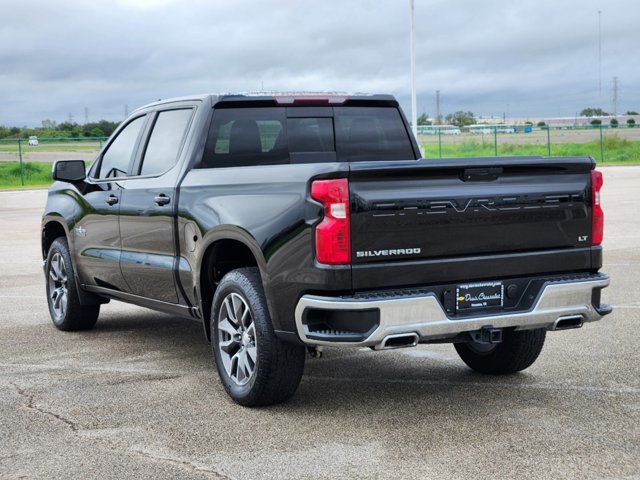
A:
[96,235]
[148,210]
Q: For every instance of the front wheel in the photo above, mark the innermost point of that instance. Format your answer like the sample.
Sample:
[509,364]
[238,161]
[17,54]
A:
[67,313]
[517,351]
[255,367]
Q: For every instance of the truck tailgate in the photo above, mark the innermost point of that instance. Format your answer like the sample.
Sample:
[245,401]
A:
[430,210]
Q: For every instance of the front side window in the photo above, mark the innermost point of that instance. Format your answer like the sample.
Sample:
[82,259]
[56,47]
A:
[116,160]
[165,141]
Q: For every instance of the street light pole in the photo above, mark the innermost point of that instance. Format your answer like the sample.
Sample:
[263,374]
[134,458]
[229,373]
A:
[414,113]
[600,55]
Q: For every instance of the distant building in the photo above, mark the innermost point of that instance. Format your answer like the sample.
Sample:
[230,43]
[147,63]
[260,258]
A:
[557,121]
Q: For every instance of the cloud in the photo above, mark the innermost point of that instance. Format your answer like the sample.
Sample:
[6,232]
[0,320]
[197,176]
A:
[539,58]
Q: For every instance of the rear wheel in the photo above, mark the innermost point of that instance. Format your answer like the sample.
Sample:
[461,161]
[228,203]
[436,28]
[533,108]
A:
[517,351]
[255,367]
[62,295]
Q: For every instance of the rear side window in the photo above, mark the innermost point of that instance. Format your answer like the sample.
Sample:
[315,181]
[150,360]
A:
[280,135]
[165,141]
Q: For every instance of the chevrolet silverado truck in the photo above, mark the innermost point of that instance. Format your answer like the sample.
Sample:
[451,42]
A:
[288,223]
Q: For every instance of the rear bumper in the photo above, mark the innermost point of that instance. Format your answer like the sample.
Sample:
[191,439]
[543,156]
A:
[370,321]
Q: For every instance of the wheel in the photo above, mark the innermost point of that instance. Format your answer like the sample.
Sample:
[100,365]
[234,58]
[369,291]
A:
[517,351]
[256,367]
[62,296]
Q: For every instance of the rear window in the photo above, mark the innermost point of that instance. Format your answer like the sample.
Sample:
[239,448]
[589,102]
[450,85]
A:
[279,135]
[371,133]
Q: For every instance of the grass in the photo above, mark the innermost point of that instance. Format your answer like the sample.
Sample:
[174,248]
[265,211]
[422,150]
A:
[35,174]
[616,150]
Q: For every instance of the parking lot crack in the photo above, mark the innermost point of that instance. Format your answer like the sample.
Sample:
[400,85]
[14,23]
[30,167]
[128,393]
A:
[31,405]
[173,459]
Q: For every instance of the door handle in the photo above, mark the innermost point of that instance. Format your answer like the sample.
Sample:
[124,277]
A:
[111,200]
[162,199]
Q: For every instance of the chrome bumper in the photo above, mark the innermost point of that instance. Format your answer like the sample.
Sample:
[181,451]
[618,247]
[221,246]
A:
[425,317]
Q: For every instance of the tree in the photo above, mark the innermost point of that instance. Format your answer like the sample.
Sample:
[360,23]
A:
[541,124]
[630,112]
[613,123]
[593,112]
[460,118]
[596,121]
[424,120]
[528,123]
[96,132]
[631,123]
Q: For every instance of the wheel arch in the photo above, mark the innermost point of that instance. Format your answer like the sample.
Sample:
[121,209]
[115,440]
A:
[223,253]
[51,230]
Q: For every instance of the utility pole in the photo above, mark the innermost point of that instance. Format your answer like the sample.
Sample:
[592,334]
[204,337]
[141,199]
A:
[126,111]
[615,96]
[414,113]
[438,114]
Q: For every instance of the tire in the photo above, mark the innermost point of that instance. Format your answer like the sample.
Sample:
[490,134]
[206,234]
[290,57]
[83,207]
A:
[517,351]
[256,367]
[62,295]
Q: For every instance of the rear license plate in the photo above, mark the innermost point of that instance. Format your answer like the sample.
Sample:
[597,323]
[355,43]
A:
[479,295]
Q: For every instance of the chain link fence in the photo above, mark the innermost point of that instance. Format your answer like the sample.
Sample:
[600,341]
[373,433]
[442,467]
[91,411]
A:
[604,143]
[35,155]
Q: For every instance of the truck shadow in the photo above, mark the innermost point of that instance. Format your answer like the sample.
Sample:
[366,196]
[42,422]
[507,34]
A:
[343,380]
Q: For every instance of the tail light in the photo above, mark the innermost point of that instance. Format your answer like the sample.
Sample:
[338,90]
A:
[333,233]
[597,215]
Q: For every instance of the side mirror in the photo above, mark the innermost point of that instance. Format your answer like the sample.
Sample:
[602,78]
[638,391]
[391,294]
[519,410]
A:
[69,171]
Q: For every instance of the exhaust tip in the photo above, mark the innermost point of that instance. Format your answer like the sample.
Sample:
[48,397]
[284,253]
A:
[567,323]
[400,340]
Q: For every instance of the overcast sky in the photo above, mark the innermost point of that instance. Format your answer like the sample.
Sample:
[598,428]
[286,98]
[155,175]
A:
[526,59]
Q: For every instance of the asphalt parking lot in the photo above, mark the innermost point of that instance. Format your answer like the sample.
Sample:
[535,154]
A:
[138,395]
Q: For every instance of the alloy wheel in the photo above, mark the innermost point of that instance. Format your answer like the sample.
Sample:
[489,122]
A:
[58,284]
[237,339]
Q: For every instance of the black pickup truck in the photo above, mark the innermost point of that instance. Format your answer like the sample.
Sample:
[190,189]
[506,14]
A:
[291,222]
